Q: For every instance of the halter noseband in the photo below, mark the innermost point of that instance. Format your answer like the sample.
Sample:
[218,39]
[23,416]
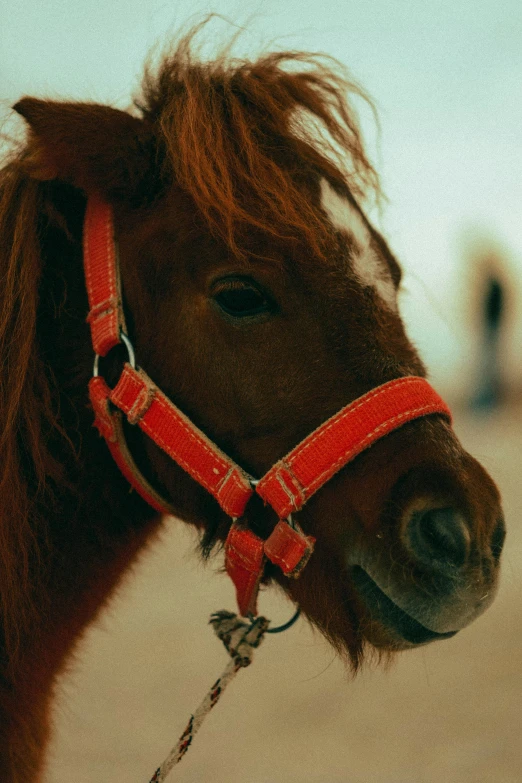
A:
[285,487]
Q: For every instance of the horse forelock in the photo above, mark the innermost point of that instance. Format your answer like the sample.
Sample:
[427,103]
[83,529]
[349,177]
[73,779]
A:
[241,136]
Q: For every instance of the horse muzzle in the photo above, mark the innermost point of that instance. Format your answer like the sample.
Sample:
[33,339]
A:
[434,581]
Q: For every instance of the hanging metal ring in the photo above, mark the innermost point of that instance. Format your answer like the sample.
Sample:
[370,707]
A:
[284,626]
[131,357]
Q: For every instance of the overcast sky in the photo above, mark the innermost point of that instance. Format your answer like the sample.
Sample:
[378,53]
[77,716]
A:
[447,79]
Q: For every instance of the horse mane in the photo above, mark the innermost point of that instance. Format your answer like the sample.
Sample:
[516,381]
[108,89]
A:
[238,136]
[27,418]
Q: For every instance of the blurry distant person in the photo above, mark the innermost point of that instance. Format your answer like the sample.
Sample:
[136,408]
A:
[488,392]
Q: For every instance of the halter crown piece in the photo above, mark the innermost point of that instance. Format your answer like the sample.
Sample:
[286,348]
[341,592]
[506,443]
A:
[285,487]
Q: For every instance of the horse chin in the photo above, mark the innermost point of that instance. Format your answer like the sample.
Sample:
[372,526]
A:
[387,625]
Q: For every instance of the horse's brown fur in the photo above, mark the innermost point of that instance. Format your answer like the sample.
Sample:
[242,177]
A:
[217,173]
[216,130]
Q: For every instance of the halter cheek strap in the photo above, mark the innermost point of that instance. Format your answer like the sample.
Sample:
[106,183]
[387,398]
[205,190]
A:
[285,487]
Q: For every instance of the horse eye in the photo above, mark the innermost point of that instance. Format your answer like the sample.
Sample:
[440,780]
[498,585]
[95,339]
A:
[240,298]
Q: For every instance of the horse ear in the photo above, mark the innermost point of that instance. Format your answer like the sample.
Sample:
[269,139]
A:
[93,147]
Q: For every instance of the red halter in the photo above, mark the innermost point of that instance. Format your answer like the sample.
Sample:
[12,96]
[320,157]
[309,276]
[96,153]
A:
[285,487]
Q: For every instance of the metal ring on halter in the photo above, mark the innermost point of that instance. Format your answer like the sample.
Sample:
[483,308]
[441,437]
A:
[284,626]
[130,351]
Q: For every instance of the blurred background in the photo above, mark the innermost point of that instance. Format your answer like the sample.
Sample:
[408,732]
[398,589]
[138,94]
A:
[446,77]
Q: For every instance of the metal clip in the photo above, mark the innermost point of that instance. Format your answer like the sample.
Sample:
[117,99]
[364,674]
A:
[130,355]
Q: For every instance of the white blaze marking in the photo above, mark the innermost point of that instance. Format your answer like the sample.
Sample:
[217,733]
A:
[369,269]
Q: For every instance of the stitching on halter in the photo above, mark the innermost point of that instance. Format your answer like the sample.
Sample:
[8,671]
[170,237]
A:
[405,415]
[103,308]
[142,404]
[372,394]
[298,497]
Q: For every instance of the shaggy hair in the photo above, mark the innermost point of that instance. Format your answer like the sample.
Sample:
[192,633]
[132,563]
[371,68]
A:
[236,136]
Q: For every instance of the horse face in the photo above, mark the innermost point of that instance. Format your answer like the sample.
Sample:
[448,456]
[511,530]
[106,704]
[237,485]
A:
[262,346]
[259,352]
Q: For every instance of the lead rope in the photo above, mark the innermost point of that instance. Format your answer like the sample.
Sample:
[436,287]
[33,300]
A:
[241,638]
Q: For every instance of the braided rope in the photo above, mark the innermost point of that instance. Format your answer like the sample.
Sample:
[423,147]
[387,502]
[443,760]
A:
[240,638]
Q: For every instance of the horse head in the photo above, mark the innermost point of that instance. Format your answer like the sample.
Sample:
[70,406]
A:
[261,300]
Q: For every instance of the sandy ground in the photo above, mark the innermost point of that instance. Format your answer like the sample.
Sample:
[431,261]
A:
[447,713]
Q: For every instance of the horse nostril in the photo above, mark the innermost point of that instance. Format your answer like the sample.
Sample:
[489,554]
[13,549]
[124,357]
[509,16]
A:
[438,537]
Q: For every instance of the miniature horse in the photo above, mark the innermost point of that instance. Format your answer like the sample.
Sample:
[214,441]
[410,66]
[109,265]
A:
[261,300]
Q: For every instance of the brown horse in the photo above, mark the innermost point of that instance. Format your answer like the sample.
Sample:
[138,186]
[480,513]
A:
[261,300]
